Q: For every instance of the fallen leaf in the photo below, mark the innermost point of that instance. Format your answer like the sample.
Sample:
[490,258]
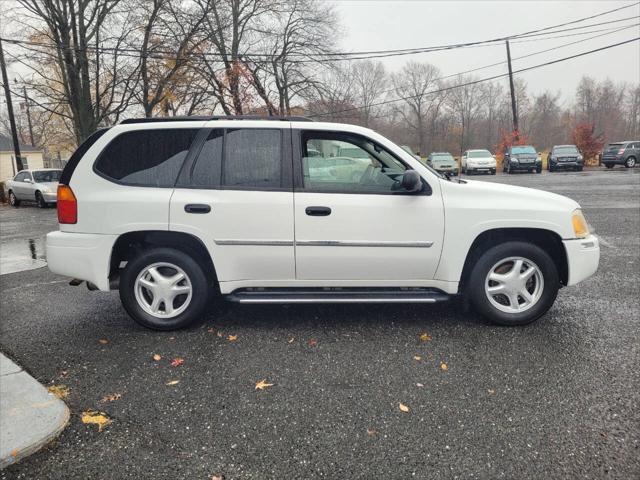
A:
[312,342]
[219,334]
[491,391]
[425,337]
[14,452]
[157,357]
[111,397]
[173,382]
[211,330]
[232,338]
[262,384]
[371,432]
[443,366]
[172,338]
[60,391]
[103,341]
[403,408]
[176,362]
[417,358]
[291,339]
[217,477]
[420,385]
[97,418]
[64,373]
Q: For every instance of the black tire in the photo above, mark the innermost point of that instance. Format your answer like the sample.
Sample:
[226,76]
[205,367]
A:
[551,169]
[13,200]
[493,172]
[578,169]
[197,278]
[40,200]
[475,290]
[539,169]
[630,162]
[608,165]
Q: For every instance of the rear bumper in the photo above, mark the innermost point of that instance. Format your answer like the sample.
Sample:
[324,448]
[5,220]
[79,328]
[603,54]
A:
[617,160]
[84,256]
[583,256]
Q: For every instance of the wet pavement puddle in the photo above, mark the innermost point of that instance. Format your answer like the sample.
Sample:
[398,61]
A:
[22,254]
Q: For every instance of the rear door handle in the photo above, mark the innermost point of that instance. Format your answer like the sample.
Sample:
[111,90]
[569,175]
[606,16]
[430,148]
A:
[317,211]
[197,208]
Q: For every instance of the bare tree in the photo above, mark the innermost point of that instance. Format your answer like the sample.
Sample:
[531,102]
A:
[416,86]
[466,100]
[88,85]
[370,81]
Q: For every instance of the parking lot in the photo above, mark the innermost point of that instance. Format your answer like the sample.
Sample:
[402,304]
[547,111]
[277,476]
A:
[558,398]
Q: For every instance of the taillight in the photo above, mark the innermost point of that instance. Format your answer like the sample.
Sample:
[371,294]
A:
[621,151]
[67,205]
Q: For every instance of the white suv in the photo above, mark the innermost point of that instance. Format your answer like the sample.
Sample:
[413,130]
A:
[175,212]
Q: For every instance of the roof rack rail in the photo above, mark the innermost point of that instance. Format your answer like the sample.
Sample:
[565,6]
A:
[215,117]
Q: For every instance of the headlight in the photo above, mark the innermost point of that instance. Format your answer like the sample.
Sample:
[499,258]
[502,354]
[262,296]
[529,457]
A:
[580,226]
[579,158]
[45,189]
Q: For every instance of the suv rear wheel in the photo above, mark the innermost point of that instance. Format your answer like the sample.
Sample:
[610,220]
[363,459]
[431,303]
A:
[163,289]
[630,162]
[513,283]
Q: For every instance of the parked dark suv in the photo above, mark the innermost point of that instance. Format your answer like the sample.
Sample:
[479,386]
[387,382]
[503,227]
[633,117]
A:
[621,153]
[565,157]
[521,157]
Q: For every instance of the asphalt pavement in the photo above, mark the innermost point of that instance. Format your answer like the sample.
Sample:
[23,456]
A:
[557,399]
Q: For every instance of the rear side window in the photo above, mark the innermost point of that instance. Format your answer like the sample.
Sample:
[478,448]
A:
[252,159]
[149,158]
[71,165]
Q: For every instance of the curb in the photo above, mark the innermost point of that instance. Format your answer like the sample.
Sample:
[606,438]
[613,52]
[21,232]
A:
[30,416]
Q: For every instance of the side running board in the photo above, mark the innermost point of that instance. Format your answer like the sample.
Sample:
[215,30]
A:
[338,295]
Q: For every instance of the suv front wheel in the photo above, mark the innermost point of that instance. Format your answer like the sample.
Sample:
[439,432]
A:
[513,283]
[163,289]
[630,162]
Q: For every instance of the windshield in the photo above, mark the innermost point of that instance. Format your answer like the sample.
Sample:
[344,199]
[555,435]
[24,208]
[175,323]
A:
[565,150]
[442,157]
[480,154]
[525,149]
[44,176]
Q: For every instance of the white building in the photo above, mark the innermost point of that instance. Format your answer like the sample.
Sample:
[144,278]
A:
[31,158]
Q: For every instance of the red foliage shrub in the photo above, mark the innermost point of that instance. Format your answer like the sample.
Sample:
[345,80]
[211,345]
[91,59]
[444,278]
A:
[584,137]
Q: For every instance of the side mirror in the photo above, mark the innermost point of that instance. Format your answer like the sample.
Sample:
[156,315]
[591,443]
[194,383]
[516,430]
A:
[411,181]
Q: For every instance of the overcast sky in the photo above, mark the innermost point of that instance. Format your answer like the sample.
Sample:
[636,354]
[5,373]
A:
[392,24]
[379,24]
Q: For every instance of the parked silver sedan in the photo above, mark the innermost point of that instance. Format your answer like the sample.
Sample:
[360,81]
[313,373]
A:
[38,186]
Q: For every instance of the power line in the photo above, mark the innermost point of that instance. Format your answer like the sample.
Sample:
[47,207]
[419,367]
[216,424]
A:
[338,56]
[557,47]
[474,82]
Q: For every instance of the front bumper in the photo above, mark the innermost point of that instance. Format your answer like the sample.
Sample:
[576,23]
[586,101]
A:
[583,256]
[525,166]
[84,256]
[559,165]
[451,170]
[50,197]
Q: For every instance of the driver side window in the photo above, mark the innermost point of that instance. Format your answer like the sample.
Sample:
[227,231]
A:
[346,163]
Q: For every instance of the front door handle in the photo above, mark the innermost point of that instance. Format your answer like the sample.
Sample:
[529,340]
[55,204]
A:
[317,211]
[197,208]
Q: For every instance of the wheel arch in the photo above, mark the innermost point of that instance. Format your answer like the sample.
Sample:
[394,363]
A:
[128,244]
[548,240]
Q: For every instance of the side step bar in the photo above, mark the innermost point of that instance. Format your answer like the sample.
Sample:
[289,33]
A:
[338,295]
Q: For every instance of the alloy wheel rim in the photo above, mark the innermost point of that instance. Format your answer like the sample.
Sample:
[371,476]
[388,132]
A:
[631,162]
[163,290]
[514,285]
[12,198]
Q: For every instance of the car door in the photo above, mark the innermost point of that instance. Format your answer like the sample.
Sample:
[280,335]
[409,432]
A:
[23,186]
[236,195]
[369,231]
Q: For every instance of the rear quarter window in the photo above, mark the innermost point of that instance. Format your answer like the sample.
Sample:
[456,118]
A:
[148,158]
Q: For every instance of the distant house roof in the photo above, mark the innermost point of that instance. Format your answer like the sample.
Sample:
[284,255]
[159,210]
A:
[6,145]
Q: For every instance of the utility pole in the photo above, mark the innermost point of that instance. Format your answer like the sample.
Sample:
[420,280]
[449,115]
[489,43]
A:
[12,120]
[514,110]
[26,101]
